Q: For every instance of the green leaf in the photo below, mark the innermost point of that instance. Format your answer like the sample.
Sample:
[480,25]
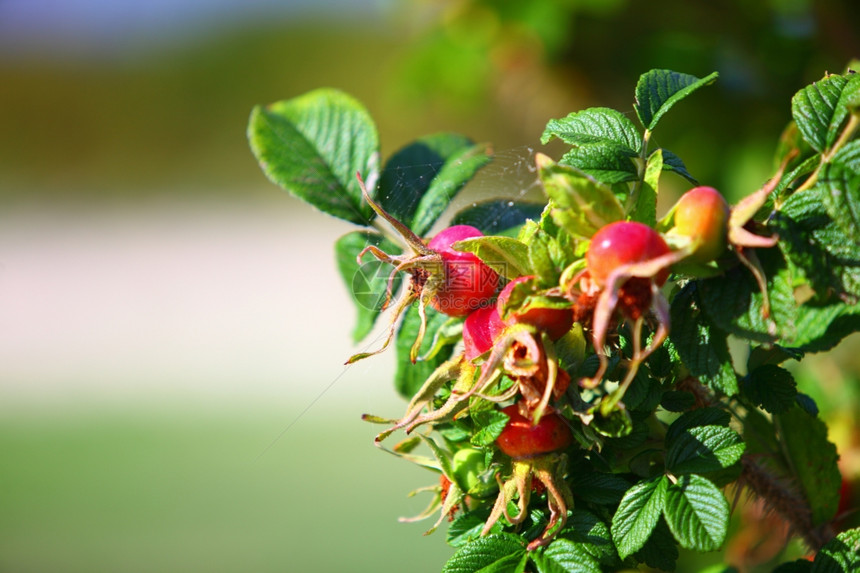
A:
[771,387]
[592,535]
[565,556]
[581,204]
[508,257]
[820,109]
[409,377]
[595,126]
[839,555]
[697,513]
[702,347]
[490,423]
[458,171]
[677,400]
[645,208]
[813,460]
[599,488]
[637,515]
[825,326]
[497,216]
[419,180]
[467,527]
[817,249]
[704,449]
[735,304]
[841,182]
[498,553]
[367,282]
[696,418]
[605,163]
[313,145]
[661,549]
[672,162]
[543,259]
[658,90]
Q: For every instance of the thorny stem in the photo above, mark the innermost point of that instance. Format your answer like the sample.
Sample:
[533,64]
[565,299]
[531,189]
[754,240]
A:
[779,496]
[778,493]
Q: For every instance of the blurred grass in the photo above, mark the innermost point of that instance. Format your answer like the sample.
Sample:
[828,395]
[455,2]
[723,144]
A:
[167,490]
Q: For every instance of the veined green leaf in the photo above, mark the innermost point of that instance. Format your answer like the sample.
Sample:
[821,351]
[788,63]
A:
[498,553]
[605,163]
[313,145]
[592,535]
[734,302]
[645,208]
[453,175]
[599,488]
[697,513]
[595,126]
[702,347]
[658,90]
[696,418]
[703,449]
[637,515]
[672,162]
[841,181]
[490,423]
[497,216]
[410,172]
[467,527]
[771,387]
[508,257]
[582,205]
[813,460]
[661,549]
[367,282]
[565,556]
[840,554]
[827,257]
[544,257]
[820,109]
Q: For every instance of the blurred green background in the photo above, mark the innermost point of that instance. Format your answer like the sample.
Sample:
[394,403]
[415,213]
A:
[172,326]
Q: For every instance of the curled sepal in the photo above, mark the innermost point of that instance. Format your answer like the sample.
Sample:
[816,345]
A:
[742,239]
[608,303]
[547,471]
[452,369]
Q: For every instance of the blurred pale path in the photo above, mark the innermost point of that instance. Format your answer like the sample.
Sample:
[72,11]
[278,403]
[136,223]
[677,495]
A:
[173,398]
[160,301]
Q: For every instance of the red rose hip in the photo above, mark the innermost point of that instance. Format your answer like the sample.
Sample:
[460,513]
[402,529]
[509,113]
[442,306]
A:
[480,330]
[624,243]
[702,214]
[554,321]
[522,439]
[468,283]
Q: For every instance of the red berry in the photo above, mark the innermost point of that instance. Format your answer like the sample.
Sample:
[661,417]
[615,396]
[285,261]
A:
[554,321]
[522,439]
[623,243]
[702,214]
[468,284]
[480,330]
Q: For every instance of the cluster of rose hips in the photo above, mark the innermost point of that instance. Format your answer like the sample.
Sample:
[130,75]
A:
[509,358]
